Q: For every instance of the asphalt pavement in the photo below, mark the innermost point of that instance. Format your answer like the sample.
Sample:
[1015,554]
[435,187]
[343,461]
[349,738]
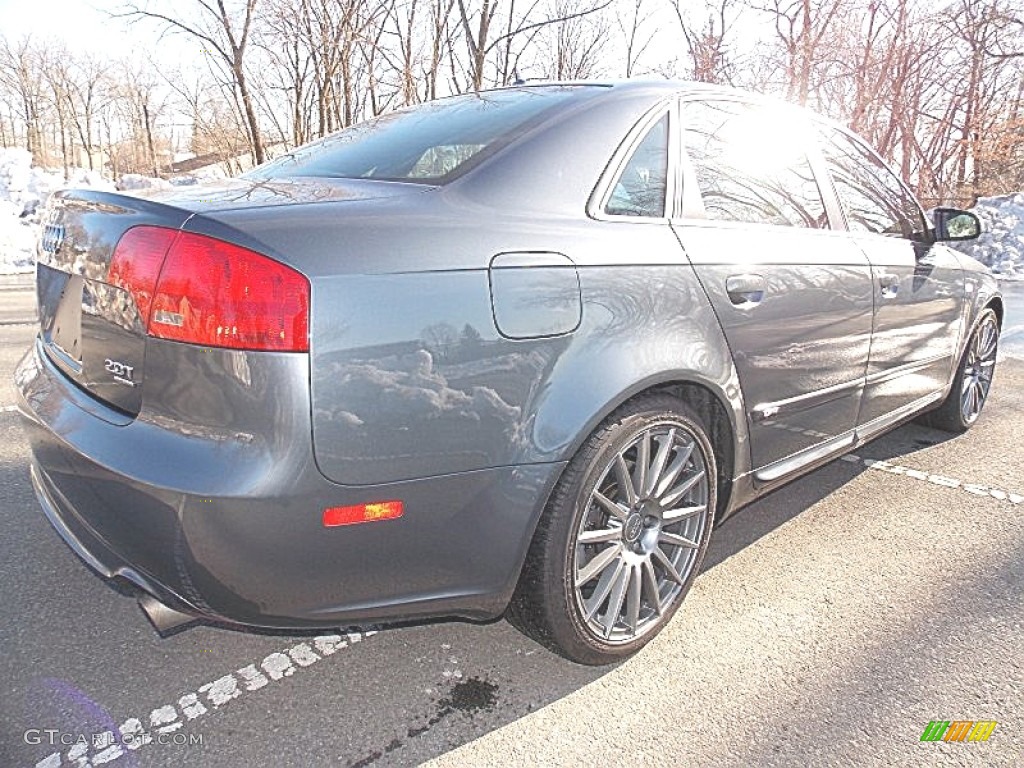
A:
[832,621]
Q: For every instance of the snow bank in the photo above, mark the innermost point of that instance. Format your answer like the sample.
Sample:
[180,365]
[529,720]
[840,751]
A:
[23,192]
[17,238]
[1001,246]
[213,172]
[133,181]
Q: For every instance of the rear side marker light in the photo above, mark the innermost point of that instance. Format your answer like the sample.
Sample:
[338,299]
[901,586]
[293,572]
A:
[197,289]
[362,513]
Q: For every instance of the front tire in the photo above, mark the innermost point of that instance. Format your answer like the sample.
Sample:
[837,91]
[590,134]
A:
[962,406]
[623,535]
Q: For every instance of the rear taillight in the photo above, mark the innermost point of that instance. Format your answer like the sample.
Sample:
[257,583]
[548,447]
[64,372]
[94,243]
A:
[136,263]
[211,292]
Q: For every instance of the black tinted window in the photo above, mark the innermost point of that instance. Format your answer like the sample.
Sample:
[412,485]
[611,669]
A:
[640,190]
[751,165]
[428,143]
[872,196]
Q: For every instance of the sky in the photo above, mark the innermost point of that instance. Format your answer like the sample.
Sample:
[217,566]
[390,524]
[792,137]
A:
[85,26]
[77,21]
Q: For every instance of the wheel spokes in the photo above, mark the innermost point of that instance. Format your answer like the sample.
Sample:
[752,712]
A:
[972,400]
[633,599]
[668,565]
[600,535]
[687,485]
[670,516]
[643,463]
[625,481]
[670,474]
[610,506]
[664,449]
[676,540]
[600,561]
[600,593]
[988,339]
[622,576]
[650,586]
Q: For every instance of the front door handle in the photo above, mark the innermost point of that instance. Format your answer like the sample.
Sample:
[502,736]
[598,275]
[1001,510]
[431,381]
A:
[890,285]
[745,290]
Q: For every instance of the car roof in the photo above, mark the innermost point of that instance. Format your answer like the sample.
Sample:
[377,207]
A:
[668,88]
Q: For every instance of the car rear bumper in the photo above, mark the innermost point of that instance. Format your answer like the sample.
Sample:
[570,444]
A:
[225,521]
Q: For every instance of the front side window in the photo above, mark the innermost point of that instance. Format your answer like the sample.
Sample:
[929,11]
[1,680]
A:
[751,165]
[640,189]
[873,198]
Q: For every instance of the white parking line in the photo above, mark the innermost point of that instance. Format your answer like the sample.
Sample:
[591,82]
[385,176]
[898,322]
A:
[163,721]
[975,489]
[6,408]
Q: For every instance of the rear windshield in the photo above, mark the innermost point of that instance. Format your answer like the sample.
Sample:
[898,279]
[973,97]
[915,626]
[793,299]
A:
[429,143]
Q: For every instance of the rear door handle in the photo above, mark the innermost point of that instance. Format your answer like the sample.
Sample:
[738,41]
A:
[745,290]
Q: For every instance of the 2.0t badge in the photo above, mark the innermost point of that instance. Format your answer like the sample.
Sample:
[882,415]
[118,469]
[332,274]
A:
[121,372]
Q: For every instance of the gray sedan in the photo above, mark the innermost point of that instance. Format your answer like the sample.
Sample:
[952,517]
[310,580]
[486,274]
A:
[509,352]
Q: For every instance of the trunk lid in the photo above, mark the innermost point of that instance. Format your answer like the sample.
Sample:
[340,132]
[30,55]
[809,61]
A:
[92,329]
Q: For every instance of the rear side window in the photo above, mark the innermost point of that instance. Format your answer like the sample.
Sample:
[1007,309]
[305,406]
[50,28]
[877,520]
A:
[872,196]
[430,143]
[640,189]
[751,165]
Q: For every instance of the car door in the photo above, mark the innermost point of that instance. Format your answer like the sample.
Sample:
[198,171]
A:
[918,285]
[793,296]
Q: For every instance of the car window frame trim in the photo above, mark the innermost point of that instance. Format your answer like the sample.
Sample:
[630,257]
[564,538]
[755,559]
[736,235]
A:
[605,186]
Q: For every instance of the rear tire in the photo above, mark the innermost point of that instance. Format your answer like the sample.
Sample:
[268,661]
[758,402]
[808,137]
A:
[623,535]
[962,406]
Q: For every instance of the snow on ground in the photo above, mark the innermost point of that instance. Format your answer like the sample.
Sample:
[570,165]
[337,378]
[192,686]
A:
[23,192]
[130,181]
[1001,245]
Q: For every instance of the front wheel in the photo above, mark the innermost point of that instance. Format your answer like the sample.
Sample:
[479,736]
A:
[973,380]
[623,535]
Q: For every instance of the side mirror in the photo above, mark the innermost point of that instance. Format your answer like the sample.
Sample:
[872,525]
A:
[952,224]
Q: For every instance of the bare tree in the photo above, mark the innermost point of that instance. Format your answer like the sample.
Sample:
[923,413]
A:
[802,26]
[477,26]
[140,102]
[21,73]
[991,35]
[291,62]
[222,34]
[58,78]
[85,94]
[633,24]
[707,38]
[575,44]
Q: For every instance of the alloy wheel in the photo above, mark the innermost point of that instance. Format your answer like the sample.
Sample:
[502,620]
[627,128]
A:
[639,536]
[978,368]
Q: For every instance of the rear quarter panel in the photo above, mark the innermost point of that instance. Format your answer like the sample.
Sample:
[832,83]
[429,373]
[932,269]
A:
[411,377]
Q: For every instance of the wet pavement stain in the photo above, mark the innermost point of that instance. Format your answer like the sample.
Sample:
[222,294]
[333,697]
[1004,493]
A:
[467,696]
[471,696]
